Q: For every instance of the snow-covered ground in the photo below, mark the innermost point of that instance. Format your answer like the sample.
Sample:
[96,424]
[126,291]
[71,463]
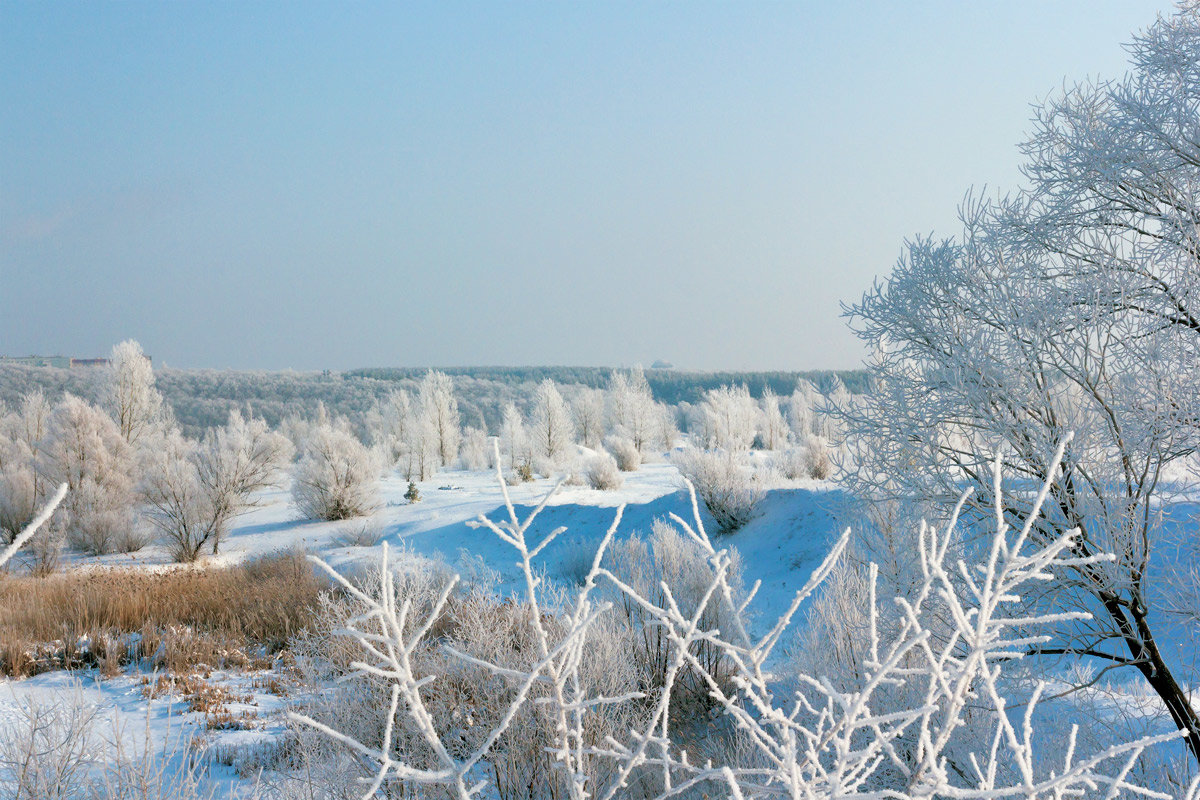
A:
[780,548]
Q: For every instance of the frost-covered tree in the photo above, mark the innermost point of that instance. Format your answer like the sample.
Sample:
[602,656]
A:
[404,430]
[130,394]
[440,410]
[802,409]
[774,427]
[724,484]
[551,428]
[390,424]
[631,409]
[238,460]
[336,477]
[194,490]
[178,505]
[30,531]
[1114,168]
[475,451]
[84,449]
[981,344]
[665,432]
[515,441]
[1071,305]
[831,410]
[22,487]
[731,417]
[587,412]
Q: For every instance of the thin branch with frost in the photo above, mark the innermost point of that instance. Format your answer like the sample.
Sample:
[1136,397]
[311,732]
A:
[930,717]
[24,536]
[558,661]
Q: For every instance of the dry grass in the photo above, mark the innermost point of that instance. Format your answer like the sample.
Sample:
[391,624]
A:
[179,620]
[210,699]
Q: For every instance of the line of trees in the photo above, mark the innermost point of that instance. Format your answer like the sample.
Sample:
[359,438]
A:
[134,475]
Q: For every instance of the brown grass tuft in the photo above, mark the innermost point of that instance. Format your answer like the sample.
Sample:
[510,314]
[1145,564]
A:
[178,620]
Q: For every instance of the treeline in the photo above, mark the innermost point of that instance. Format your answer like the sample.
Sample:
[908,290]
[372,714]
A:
[668,385]
[203,398]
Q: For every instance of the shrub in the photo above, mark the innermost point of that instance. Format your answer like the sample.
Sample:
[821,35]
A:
[602,473]
[475,452]
[727,490]
[360,533]
[792,464]
[816,458]
[460,694]
[63,749]
[412,495]
[337,477]
[523,472]
[682,566]
[623,450]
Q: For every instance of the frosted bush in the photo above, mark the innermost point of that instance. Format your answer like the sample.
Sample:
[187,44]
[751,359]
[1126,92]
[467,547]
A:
[669,564]
[817,460]
[544,466]
[361,533]
[475,451]
[792,464]
[727,489]
[337,477]
[628,458]
[603,473]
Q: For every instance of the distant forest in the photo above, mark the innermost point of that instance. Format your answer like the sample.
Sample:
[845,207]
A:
[669,385]
[203,398]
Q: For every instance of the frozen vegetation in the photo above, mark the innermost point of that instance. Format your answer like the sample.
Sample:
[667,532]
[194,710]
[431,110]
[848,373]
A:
[969,572]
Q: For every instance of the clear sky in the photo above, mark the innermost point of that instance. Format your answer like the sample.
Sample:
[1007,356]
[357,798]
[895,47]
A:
[270,185]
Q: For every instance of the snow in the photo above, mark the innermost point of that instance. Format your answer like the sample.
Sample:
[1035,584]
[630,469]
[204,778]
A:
[780,547]
[796,524]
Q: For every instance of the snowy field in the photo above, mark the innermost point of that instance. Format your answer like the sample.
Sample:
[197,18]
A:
[138,712]
[792,532]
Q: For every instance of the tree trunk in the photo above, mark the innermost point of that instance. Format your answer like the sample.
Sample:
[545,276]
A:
[1135,629]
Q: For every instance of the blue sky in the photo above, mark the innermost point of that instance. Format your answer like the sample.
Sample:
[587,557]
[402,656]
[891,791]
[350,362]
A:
[270,185]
